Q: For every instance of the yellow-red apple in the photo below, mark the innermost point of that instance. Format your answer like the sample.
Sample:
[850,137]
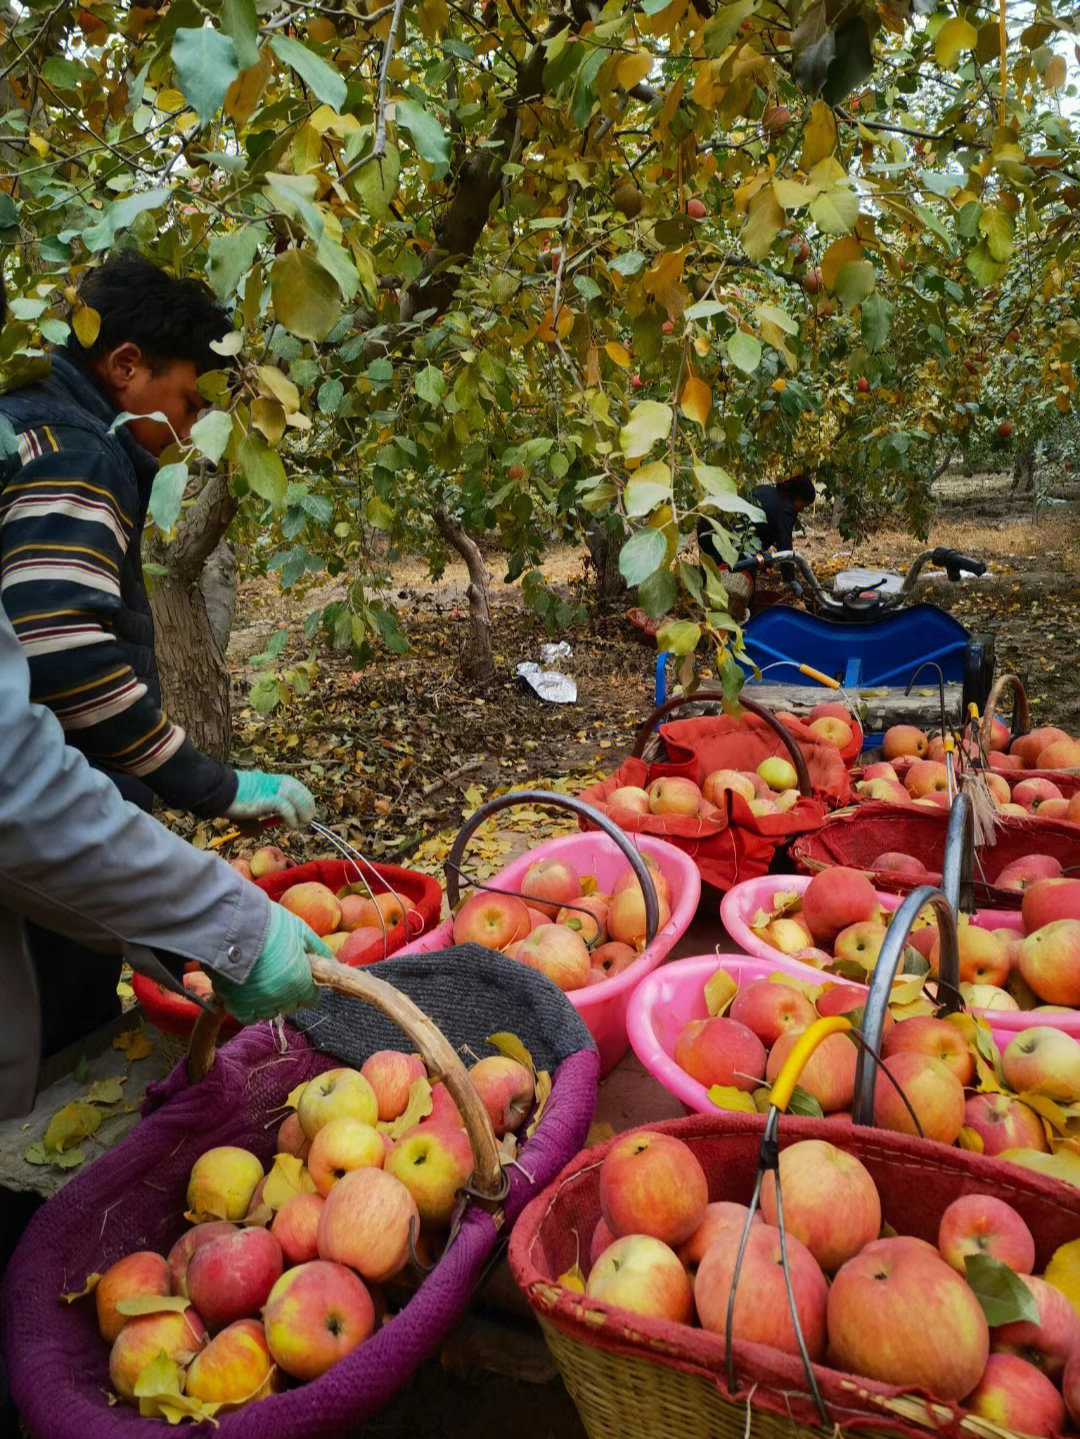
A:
[392,1075]
[366,1222]
[720,1050]
[932,1090]
[268,859]
[587,916]
[295,1227]
[548,884]
[335,1094]
[1050,1341]
[644,1275]
[831,1202]
[762,1314]
[315,904]
[136,1275]
[234,1368]
[1043,1060]
[936,1038]
[506,1089]
[984,1224]
[433,1162]
[903,739]
[339,1147]
[832,730]
[222,1182]
[1014,1395]
[493,920]
[719,781]
[721,1216]
[770,1009]
[558,952]
[672,794]
[778,773]
[315,1315]
[829,1073]
[144,1337]
[1029,746]
[1049,961]
[652,1183]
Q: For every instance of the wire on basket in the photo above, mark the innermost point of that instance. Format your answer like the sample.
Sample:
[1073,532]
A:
[352,856]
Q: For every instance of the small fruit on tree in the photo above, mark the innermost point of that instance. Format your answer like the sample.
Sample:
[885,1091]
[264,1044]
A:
[863,385]
[775,120]
[516,472]
[695,208]
[1005,430]
[628,199]
[812,282]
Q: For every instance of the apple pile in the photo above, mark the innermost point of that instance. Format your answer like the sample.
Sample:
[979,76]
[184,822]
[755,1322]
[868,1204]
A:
[772,788]
[562,924]
[897,1310]
[279,1276]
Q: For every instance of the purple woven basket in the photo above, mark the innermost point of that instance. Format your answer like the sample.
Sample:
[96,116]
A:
[134,1197]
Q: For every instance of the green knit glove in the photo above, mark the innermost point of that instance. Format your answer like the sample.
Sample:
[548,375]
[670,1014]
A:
[280,979]
[259,794]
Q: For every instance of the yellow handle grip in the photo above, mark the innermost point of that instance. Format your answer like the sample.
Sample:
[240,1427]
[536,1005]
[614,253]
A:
[805,1045]
[949,744]
[822,679]
[973,712]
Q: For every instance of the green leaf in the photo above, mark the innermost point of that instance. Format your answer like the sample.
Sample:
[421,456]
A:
[657,593]
[206,65]
[628,264]
[324,81]
[375,183]
[335,258]
[744,351]
[724,25]
[854,282]
[210,434]
[331,393]
[703,309]
[836,211]
[430,385]
[998,227]
[585,285]
[642,554]
[238,19]
[647,488]
[803,1103]
[295,194]
[231,255]
[265,694]
[679,637]
[120,214]
[876,318]
[9,220]
[985,269]
[967,222]
[720,493]
[1003,1295]
[166,494]
[262,468]
[649,422]
[429,138]
[306,297]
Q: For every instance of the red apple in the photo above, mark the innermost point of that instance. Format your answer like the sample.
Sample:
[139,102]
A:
[1048,1343]
[721,1216]
[984,1224]
[587,916]
[144,1337]
[1024,871]
[829,1073]
[1059,754]
[898,1314]
[762,1314]
[315,1315]
[835,898]
[558,952]
[608,960]
[548,884]
[143,1273]
[230,1277]
[295,1227]
[926,776]
[907,865]
[1003,1122]
[493,920]
[1013,1395]
[935,1038]
[831,1202]
[720,1051]
[653,1184]
[506,1088]
[628,798]
[392,1075]
[192,1239]
[1029,746]
[1030,792]
[932,1090]
[770,1009]
[719,781]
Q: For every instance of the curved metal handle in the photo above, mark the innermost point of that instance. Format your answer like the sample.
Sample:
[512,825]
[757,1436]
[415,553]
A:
[1021,720]
[798,759]
[888,962]
[438,1054]
[957,870]
[792,1068]
[576,806]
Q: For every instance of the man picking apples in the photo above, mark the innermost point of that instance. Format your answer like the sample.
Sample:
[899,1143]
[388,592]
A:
[74,494]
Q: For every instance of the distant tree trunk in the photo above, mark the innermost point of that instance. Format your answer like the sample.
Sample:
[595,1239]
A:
[1023,469]
[195,682]
[476,660]
[603,548]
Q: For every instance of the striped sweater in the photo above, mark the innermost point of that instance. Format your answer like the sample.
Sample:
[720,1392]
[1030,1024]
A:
[73,503]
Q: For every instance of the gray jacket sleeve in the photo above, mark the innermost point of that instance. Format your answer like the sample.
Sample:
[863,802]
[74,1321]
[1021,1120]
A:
[76,857]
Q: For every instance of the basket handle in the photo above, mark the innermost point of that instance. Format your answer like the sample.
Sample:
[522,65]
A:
[888,962]
[576,806]
[801,1050]
[437,1052]
[798,759]
[957,871]
[1021,720]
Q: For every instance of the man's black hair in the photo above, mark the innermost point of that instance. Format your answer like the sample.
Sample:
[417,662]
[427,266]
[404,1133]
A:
[169,319]
[798,488]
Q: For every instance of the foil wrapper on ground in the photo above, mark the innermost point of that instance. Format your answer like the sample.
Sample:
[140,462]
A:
[550,685]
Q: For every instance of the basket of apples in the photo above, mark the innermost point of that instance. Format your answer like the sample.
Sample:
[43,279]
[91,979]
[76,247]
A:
[727,789]
[595,911]
[283,1239]
[735,1272]
[1042,765]
[364,913]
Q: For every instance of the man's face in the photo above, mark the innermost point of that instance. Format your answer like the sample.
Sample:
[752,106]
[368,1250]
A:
[134,385]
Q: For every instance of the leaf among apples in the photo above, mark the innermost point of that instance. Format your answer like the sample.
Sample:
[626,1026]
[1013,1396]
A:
[92,1282]
[512,1047]
[803,1103]
[1053,1114]
[288,1177]
[573,1279]
[1063,1271]
[726,1096]
[541,1095]
[160,1393]
[153,1304]
[1003,1295]
[970,1139]
[418,1108]
[720,990]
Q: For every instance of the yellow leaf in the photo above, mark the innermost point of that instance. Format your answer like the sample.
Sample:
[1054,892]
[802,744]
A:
[618,354]
[278,387]
[1064,1166]
[1051,1112]
[632,69]
[1063,1272]
[268,417]
[726,1096]
[720,990]
[905,990]
[418,1108]
[512,1047]
[133,1044]
[86,322]
[955,35]
[573,1279]
[764,217]
[71,1125]
[969,1138]
[293,1098]
[819,137]
[599,1133]
[91,1284]
[1054,74]
[287,1178]
[696,400]
[840,253]
[153,1304]
[107,1091]
[474,797]
[542,1091]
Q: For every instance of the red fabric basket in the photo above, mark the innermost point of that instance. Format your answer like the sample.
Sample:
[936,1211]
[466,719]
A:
[857,838]
[916,1180]
[739,844]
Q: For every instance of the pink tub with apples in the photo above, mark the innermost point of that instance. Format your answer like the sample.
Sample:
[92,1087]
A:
[741,903]
[671,997]
[603,1006]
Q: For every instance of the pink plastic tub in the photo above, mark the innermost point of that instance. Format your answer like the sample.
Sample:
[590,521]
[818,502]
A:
[603,1006]
[743,901]
[668,999]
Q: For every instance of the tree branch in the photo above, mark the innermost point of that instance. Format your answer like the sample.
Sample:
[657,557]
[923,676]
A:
[204,525]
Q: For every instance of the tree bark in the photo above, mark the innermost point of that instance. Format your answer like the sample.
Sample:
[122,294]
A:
[608,583]
[476,660]
[196,686]
[1024,469]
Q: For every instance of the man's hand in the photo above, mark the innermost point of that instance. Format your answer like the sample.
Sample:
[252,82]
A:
[259,794]
[280,978]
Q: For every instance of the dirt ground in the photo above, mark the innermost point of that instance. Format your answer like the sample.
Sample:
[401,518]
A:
[399,753]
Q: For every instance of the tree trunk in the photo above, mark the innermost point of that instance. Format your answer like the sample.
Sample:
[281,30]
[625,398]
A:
[603,548]
[218,585]
[476,660]
[195,683]
[1024,469]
